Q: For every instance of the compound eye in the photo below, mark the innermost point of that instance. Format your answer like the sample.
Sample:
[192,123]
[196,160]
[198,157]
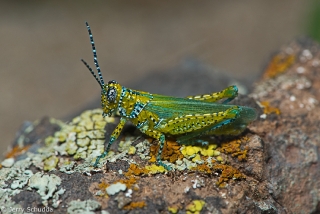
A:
[111,94]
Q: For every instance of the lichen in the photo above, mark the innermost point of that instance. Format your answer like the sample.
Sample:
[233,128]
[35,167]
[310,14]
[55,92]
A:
[171,152]
[129,182]
[279,64]
[17,150]
[50,163]
[46,186]
[20,176]
[134,205]
[115,188]
[154,169]
[173,209]
[227,173]
[195,206]
[234,148]
[87,206]
[268,109]
[135,170]
[83,137]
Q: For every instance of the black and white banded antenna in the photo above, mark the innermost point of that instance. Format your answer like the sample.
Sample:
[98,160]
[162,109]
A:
[95,60]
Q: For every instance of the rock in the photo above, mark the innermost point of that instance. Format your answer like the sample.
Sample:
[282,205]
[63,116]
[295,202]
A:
[273,167]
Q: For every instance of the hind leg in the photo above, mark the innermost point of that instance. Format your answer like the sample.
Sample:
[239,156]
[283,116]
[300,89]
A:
[229,93]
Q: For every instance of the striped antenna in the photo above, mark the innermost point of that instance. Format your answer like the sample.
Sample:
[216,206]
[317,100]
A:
[95,60]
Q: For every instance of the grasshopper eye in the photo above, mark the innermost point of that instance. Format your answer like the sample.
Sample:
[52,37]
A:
[111,94]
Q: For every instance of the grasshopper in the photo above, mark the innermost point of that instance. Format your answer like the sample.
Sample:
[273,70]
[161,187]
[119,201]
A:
[159,115]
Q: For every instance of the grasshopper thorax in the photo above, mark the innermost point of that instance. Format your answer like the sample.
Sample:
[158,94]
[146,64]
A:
[110,95]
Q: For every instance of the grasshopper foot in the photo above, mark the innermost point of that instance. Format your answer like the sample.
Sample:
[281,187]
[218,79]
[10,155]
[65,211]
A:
[98,159]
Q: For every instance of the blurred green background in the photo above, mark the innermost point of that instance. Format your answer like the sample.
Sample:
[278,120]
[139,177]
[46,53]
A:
[42,43]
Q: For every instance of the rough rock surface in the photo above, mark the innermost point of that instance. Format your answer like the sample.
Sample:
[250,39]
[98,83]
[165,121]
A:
[273,167]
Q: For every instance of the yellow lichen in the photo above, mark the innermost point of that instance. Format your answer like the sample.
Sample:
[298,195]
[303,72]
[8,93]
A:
[134,205]
[196,158]
[82,137]
[173,209]
[219,158]
[195,206]
[154,169]
[132,150]
[208,151]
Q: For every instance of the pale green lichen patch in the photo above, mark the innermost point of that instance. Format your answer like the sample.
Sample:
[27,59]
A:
[115,188]
[88,207]
[19,176]
[7,162]
[83,137]
[46,186]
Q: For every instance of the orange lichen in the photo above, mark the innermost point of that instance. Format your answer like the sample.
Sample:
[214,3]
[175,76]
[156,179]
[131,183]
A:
[129,182]
[17,150]
[234,148]
[171,152]
[227,173]
[202,168]
[267,109]
[103,185]
[134,205]
[278,64]
[135,170]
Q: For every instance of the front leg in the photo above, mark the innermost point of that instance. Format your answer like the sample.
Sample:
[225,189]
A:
[161,138]
[230,93]
[115,134]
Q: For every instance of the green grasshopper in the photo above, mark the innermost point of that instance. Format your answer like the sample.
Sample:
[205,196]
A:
[158,115]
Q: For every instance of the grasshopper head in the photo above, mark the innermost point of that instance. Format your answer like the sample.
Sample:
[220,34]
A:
[110,95]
